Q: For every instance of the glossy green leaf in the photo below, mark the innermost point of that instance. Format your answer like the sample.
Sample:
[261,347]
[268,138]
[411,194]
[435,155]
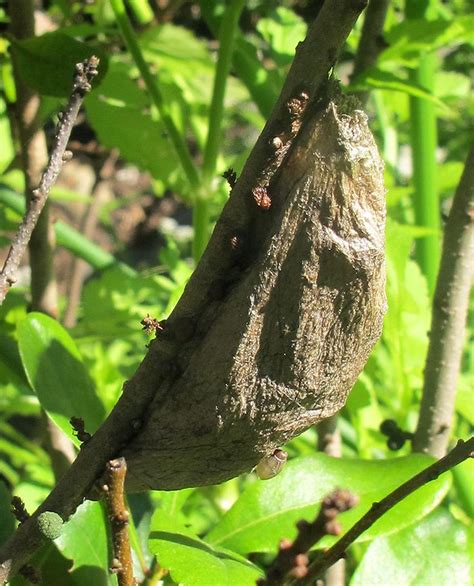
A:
[84,541]
[120,113]
[406,39]
[7,151]
[114,302]
[191,561]
[463,475]
[47,63]
[386,80]
[437,550]
[268,510]
[55,371]
[282,30]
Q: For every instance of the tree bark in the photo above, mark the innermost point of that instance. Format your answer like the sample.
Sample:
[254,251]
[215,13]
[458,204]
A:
[299,317]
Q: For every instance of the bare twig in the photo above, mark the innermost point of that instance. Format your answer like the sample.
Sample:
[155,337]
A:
[448,320]
[329,442]
[84,74]
[122,565]
[19,510]
[462,451]
[291,560]
[371,41]
[34,155]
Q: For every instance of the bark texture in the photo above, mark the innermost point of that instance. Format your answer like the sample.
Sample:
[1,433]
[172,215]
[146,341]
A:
[299,309]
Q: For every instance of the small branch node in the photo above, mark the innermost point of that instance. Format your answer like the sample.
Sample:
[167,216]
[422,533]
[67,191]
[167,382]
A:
[30,574]
[230,176]
[78,426]
[18,509]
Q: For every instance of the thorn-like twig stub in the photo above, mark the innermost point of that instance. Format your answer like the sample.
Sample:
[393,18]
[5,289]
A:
[78,426]
[230,176]
[31,574]
[292,560]
[396,436]
[151,324]
[18,509]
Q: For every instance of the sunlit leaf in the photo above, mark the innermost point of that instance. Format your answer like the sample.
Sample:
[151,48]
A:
[269,510]
[437,550]
[55,371]
[193,562]
[47,63]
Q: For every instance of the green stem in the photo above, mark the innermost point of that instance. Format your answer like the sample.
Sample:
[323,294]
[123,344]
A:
[68,237]
[141,11]
[201,212]
[179,144]
[201,222]
[228,28]
[424,143]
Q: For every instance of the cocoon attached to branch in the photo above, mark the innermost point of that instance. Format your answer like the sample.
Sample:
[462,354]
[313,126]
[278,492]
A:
[300,309]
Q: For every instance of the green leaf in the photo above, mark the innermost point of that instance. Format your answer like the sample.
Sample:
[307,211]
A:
[437,550]
[121,114]
[47,63]
[408,38]
[268,510]
[114,302]
[463,475]
[7,152]
[282,30]
[55,371]
[191,561]
[84,541]
[386,80]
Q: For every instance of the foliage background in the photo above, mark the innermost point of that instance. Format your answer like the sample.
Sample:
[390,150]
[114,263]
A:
[151,227]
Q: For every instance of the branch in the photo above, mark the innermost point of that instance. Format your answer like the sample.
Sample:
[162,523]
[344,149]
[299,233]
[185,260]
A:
[150,386]
[330,442]
[462,451]
[34,154]
[85,72]
[448,324]
[371,41]
[113,489]
[291,560]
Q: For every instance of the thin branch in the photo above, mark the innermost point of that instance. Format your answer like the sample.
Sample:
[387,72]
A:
[34,154]
[371,41]
[462,451]
[85,72]
[113,489]
[291,560]
[313,61]
[330,442]
[448,324]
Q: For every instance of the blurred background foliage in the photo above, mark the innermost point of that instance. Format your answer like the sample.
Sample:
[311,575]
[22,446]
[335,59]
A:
[151,219]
